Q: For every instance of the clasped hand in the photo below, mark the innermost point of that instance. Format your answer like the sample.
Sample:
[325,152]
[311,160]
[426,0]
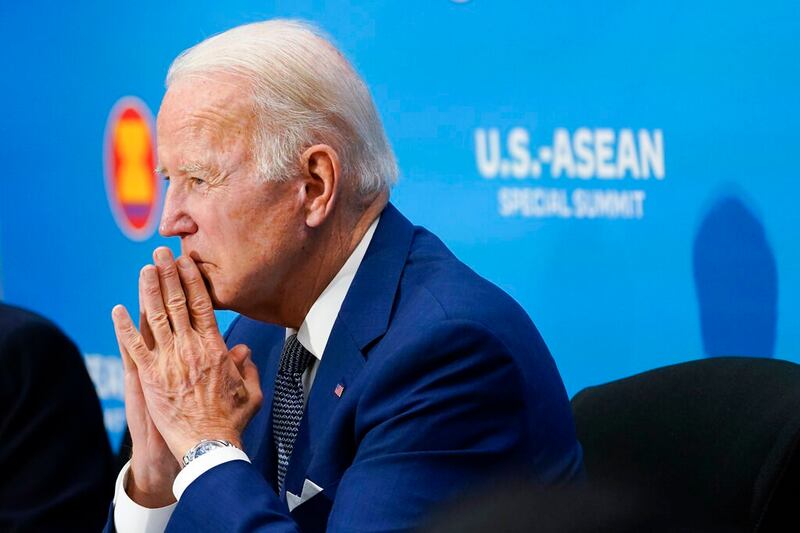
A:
[182,384]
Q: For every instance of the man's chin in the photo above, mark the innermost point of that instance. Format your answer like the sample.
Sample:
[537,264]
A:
[217,303]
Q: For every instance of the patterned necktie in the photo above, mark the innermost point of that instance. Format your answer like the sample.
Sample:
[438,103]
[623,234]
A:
[287,402]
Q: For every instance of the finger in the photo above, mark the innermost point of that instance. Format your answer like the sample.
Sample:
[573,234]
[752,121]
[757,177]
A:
[252,382]
[171,290]
[144,327]
[155,313]
[147,334]
[200,307]
[128,365]
[250,374]
[243,357]
[239,354]
[130,341]
[133,387]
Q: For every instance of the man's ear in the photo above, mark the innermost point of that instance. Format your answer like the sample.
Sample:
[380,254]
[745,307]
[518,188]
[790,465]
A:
[321,174]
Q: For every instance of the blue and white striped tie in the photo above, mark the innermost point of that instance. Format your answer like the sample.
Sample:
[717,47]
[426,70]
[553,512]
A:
[287,402]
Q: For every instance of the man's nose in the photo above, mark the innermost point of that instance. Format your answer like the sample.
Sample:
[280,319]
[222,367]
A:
[175,219]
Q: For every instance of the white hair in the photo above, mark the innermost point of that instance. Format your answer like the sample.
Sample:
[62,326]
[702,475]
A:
[305,92]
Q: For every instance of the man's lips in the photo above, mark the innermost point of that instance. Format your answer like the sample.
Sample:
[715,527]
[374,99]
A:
[203,268]
[202,265]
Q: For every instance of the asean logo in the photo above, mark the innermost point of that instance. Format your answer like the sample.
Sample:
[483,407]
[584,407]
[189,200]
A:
[133,189]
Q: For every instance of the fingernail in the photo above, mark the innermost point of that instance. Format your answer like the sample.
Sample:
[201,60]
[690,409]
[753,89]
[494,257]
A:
[162,254]
[149,272]
[183,263]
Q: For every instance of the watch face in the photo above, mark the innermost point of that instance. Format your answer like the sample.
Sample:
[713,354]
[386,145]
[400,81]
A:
[206,447]
[202,448]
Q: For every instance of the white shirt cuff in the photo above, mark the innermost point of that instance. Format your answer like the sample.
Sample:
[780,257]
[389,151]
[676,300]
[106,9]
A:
[203,464]
[130,517]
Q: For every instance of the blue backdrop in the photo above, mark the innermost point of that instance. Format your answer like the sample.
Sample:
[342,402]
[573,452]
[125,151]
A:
[626,170]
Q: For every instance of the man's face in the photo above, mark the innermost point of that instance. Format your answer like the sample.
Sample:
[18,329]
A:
[244,234]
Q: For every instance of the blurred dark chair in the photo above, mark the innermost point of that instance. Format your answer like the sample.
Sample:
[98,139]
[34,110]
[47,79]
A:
[520,506]
[709,445]
[715,438]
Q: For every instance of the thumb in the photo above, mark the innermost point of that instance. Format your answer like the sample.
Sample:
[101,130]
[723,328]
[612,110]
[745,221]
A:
[239,354]
[250,376]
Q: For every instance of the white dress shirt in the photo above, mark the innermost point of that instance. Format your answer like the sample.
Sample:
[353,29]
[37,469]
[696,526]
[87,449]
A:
[130,517]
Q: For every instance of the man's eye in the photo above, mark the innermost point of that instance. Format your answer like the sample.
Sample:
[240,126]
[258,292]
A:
[196,181]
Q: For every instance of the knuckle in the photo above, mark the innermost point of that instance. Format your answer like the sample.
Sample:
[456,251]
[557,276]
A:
[189,352]
[158,317]
[124,328]
[176,301]
[168,273]
[136,344]
[258,397]
[218,356]
[152,290]
[128,332]
[190,276]
[201,305]
[215,346]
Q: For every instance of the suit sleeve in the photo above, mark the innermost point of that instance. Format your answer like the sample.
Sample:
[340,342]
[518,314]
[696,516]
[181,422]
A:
[55,456]
[435,416]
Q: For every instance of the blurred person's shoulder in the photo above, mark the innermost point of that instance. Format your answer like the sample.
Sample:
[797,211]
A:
[15,320]
[26,332]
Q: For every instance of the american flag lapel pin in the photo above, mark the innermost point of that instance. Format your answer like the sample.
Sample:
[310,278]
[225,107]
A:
[338,390]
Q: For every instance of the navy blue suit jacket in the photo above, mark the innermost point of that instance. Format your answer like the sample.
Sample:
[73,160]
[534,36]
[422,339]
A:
[442,381]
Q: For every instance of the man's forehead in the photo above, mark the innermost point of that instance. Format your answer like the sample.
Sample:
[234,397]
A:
[200,122]
[210,86]
[201,154]
[207,102]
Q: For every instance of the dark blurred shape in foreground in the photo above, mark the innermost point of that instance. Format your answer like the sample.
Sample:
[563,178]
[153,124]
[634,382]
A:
[56,466]
[709,445]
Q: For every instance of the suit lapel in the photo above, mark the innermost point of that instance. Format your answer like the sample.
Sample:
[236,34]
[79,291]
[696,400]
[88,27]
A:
[363,317]
[367,308]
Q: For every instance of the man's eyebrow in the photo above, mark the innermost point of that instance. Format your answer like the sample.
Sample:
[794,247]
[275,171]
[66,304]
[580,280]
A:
[188,168]
[194,168]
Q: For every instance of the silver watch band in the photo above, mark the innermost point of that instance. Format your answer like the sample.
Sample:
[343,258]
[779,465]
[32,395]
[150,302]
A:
[203,447]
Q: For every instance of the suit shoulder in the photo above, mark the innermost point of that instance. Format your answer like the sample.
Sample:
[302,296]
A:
[260,337]
[438,288]
[439,285]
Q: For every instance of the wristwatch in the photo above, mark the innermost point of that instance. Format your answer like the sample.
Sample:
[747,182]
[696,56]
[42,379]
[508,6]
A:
[203,447]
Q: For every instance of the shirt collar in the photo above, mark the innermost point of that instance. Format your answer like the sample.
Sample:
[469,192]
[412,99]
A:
[318,323]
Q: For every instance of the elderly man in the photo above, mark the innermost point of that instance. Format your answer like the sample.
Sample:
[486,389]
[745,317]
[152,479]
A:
[370,374]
